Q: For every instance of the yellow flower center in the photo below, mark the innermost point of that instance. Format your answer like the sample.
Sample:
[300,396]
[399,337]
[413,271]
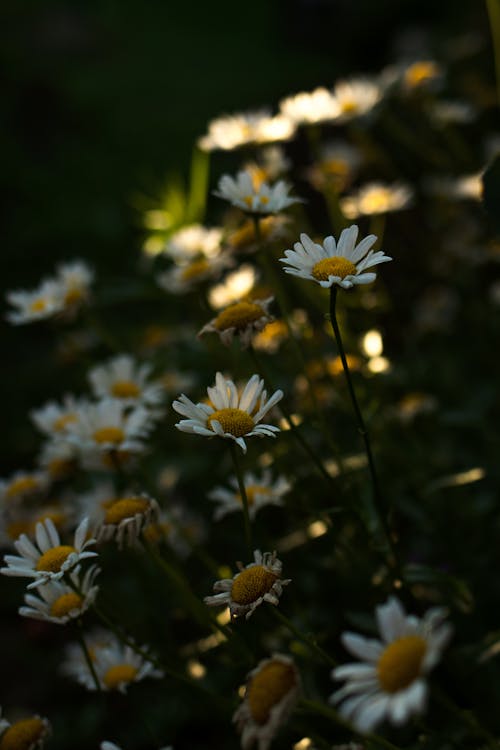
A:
[23,734]
[109,435]
[251,584]
[38,305]
[420,72]
[65,604]
[60,467]
[195,269]
[249,199]
[56,516]
[54,558]
[238,316]
[349,106]
[235,421]
[21,486]
[335,266]
[252,490]
[268,687]
[245,235]
[125,507]
[120,673]
[16,528]
[400,663]
[74,295]
[63,421]
[125,389]
[336,167]
[376,201]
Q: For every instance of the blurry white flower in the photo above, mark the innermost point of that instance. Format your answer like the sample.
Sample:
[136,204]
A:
[237,130]
[355,97]
[258,582]
[376,198]
[41,303]
[192,241]
[389,683]
[53,418]
[75,279]
[229,414]
[122,378]
[22,485]
[445,111]
[260,491]
[310,107]
[262,199]
[235,286]
[466,187]
[58,458]
[272,691]
[184,278]
[344,263]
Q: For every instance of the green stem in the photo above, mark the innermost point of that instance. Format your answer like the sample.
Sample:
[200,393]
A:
[88,658]
[330,713]
[310,642]
[378,503]
[493,7]
[244,498]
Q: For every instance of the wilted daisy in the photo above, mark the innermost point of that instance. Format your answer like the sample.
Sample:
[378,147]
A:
[255,199]
[108,428]
[260,491]
[53,418]
[193,241]
[41,303]
[233,131]
[229,414]
[243,319]
[389,682]
[124,379]
[376,198]
[312,107]
[125,517]
[22,485]
[49,559]
[75,279]
[185,277]
[343,263]
[25,734]
[256,583]
[355,97]
[58,602]
[116,666]
[272,691]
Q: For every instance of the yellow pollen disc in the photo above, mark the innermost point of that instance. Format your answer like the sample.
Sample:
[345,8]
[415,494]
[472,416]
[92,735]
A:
[375,202]
[109,435]
[245,235]
[336,167]
[65,604]
[268,687]
[252,490]
[73,296]
[53,559]
[120,673]
[125,389]
[248,199]
[126,507]
[16,528]
[60,467]
[63,421]
[194,269]
[238,316]
[420,72]
[251,584]
[349,106]
[23,734]
[38,305]
[21,485]
[335,266]
[400,663]
[235,421]
[264,199]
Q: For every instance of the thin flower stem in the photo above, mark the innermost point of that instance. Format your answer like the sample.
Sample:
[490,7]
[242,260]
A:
[378,503]
[330,713]
[86,654]
[493,7]
[244,498]
[377,227]
[310,642]
[288,419]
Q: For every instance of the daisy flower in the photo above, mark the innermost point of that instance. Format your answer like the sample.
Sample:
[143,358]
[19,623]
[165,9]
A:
[123,379]
[41,303]
[272,691]
[389,682]
[75,279]
[244,238]
[116,666]
[376,198]
[49,559]
[125,518]
[262,199]
[256,583]
[25,734]
[229,414]
[307,108]
[53,418]
[109,428]
[355,97]
[233,131]
[243,319]
[260,491]
[234,287]
[193,241]
[343,263]
[22,485]
[185,277]
[58,602]
[336,166]
[58,458]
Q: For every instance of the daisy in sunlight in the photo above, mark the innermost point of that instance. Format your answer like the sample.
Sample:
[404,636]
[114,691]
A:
[229,413]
